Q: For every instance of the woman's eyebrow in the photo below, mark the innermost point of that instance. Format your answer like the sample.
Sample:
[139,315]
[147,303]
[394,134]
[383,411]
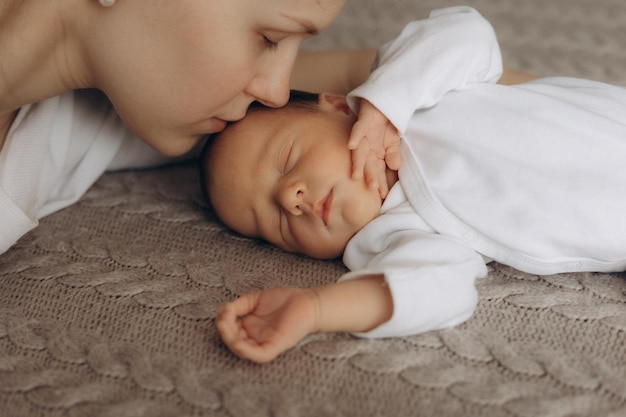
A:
[308,26]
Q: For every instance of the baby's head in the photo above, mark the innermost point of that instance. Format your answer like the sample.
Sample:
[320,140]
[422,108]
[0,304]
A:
[284,175]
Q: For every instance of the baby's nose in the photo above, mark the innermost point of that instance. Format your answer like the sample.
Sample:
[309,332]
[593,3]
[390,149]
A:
[291,198]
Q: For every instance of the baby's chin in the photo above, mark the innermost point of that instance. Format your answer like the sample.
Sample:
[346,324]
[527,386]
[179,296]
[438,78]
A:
[326,252]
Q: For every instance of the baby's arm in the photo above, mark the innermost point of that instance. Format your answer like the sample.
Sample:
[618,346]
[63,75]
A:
[260,326]
[375,142]
[511,77]
[453,47]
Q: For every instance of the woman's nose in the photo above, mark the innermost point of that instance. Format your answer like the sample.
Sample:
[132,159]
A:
[291,197]
[270,86]
[271,91]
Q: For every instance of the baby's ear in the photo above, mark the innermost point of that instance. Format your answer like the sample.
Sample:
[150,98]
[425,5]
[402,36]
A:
[332,102]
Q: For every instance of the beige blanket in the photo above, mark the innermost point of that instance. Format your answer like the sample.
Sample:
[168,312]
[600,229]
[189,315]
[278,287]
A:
[107,308]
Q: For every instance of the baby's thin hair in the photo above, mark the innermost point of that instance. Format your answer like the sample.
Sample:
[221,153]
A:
[297,99]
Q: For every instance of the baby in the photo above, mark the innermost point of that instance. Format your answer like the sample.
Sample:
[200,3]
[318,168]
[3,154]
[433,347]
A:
[531,176]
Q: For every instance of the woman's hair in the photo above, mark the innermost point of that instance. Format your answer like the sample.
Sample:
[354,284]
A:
[298,100]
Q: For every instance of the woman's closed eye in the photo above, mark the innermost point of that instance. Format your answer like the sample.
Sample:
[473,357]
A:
[270,44]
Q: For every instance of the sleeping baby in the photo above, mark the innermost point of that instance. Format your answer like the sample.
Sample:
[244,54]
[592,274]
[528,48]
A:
[530,175]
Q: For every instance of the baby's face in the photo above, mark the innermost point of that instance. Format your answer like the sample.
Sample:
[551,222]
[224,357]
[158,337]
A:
[284,176]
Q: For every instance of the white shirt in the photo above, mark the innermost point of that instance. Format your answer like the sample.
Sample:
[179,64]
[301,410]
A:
[54,151]
[531,176]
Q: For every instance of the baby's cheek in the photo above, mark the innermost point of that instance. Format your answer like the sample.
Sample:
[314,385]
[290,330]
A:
[362,212]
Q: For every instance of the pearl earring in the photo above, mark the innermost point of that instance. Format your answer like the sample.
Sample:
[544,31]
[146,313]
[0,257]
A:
[107,3]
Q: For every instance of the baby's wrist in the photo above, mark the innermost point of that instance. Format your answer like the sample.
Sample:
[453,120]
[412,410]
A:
[315,299]
[353,306]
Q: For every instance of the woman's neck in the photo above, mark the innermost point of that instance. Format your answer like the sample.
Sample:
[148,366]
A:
[39,51]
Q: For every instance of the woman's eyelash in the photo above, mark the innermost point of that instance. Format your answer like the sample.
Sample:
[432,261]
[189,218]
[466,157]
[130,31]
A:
[270,44]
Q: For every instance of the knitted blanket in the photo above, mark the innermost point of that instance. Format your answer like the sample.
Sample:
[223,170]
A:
[107,308]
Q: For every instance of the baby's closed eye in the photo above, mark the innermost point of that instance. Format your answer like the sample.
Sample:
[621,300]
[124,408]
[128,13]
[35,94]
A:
[284,158]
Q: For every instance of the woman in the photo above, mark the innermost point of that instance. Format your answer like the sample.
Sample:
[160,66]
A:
[173,69]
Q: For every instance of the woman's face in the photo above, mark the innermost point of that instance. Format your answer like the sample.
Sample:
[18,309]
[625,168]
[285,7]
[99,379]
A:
[176,70]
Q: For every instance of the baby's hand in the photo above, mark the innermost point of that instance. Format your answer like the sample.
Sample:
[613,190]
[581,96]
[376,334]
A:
[375,145]
[262,325]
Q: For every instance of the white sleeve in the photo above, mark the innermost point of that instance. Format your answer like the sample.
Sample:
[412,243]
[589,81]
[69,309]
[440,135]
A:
[431,277]
[455,46]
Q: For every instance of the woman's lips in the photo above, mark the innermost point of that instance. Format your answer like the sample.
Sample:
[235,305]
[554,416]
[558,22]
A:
[217,125]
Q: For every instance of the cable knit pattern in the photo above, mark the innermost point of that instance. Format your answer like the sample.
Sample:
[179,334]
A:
[107,308]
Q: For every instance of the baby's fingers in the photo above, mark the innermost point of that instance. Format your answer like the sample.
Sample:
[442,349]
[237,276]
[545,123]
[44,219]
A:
[376,175]
[359,159]
[360,129]
[237,339]
[393,157]
[227,321]
[228,325]
[251,350]
[245,304]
